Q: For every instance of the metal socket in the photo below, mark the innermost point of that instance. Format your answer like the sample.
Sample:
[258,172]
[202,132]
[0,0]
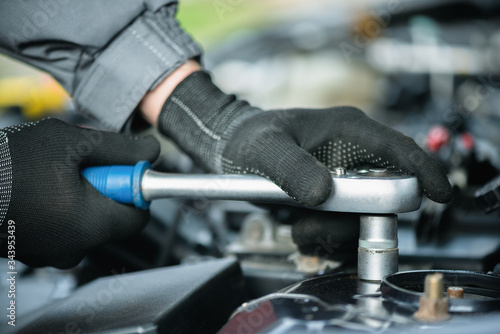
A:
[434,286]
[378,247]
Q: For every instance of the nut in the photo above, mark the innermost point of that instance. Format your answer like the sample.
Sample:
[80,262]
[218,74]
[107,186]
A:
[339,171]
[455,292]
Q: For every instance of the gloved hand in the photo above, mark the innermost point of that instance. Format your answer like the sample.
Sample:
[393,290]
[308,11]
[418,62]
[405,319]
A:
[58,216]
[294,148]
[323,234]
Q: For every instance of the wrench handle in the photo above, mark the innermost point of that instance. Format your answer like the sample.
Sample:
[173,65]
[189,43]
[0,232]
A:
[119,183]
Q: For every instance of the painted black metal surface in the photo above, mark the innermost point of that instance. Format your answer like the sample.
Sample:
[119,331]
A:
[194,298]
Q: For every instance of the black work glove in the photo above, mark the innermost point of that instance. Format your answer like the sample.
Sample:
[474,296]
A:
[294,148]
[58,216]
[332,235]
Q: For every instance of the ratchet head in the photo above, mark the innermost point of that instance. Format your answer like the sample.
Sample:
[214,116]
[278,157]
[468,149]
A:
[376,190]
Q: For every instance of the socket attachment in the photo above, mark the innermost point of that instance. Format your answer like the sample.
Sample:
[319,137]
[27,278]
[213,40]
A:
[378,247]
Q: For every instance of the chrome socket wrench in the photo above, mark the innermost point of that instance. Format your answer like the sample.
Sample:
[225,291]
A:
[378,194]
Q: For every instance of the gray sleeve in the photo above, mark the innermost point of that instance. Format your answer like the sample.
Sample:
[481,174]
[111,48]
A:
[106,53]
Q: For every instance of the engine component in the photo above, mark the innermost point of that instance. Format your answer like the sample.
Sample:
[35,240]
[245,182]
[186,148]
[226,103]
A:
[488,197]
[261,234]
[151,301]
[481,292]
[433,307]
[342,303]
[455,292]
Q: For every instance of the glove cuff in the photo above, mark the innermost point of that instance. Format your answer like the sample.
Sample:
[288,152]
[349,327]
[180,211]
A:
[200,118]
[5,176]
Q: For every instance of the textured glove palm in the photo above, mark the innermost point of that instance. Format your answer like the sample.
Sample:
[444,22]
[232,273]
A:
[294,148]
[58,215]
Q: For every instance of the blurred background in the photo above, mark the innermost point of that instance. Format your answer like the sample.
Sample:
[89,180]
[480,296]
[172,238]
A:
[428,68]
[416,65]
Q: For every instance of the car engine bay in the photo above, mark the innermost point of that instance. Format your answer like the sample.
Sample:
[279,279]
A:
[380,258]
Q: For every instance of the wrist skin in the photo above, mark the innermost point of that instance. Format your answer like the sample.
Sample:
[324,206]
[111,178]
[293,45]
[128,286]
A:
[151,104]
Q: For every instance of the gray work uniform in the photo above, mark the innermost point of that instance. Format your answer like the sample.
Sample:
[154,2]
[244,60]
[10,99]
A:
[106,53]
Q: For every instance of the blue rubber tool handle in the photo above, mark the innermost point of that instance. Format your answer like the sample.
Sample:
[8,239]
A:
[120,183]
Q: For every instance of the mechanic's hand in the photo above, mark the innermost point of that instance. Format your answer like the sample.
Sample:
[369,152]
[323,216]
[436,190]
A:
[294,148]
[58,216]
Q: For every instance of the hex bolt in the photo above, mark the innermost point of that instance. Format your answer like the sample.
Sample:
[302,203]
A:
[378,247]
[455,292]
[378,170]
[433,306]
[338,171]
[434,286]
